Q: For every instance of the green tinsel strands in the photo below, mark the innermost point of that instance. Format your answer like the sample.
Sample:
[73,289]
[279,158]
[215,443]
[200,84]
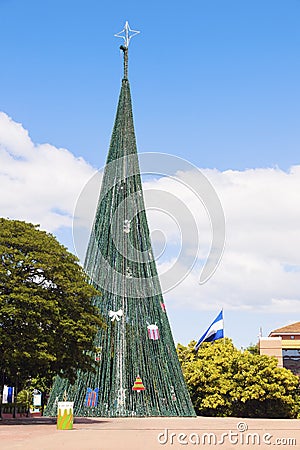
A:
[137,348]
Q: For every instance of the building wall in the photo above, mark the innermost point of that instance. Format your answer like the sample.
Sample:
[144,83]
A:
[271,346]
[285,348]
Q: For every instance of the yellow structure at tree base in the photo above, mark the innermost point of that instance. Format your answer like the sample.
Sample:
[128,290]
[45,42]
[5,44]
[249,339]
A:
[65,415]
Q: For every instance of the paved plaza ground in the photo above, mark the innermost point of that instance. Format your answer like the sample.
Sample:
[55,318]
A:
[145,434]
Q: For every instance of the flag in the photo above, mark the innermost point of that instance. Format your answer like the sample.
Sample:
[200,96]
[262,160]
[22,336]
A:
[215,331]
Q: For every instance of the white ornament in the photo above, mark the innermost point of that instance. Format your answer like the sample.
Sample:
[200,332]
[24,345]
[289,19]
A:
[115,315]
[126,226]
[153,332]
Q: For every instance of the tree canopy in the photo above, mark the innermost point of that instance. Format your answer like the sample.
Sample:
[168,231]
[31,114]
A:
[47,319]
[224,381]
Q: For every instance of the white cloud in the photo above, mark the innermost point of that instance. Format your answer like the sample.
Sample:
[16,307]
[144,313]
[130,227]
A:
[260,266]
[38,182]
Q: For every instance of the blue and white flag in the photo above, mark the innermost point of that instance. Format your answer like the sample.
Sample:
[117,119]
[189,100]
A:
[214,332]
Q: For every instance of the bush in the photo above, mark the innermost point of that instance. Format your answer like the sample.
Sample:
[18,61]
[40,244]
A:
[224,381]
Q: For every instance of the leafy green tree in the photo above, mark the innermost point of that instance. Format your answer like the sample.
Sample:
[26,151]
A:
[253,348]
[224,381]
[47,320]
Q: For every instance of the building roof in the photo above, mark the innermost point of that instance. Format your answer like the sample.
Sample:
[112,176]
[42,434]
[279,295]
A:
[290,329]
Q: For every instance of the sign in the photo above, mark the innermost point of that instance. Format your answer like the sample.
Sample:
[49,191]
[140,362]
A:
[37,400]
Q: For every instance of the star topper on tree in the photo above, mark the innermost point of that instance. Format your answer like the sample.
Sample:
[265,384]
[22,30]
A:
[127,33]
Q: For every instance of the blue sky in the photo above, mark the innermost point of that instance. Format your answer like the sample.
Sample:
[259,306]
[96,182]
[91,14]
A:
[214,82]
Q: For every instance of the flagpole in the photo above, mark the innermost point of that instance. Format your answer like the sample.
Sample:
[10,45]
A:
[223,327]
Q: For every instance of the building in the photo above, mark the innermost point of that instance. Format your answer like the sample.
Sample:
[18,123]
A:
[284,344]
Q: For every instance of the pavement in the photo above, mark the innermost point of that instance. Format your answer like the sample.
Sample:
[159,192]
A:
[150,434]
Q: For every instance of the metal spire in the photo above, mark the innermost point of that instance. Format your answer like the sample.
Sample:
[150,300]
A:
[127,33]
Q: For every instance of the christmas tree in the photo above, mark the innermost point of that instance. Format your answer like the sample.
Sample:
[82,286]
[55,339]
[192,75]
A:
[137,368]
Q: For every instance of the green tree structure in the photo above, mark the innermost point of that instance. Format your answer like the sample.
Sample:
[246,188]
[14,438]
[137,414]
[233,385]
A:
[137,368]
[224,381]
[47,319]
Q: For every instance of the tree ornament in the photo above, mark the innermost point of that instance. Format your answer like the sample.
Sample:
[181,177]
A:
[138,385]
[91,398]
[98,354]
[127,226]
[115,315]
[153,332]
[173,395]
[163,307]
